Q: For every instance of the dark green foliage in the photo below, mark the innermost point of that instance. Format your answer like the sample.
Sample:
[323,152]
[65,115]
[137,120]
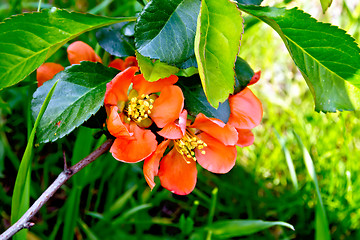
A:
[196,101]
[117,39]
[79,94]
[165,30]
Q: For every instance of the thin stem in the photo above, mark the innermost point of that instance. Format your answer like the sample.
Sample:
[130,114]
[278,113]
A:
[39,6]
[24,221]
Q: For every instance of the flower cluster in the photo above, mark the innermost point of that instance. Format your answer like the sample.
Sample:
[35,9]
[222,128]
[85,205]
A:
[79,51]
[134,104]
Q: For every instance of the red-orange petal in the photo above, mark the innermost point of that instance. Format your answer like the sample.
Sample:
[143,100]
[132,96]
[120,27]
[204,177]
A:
[131,61]
[79,51]
[176,129]
[176,175]
[246,138]
[218,158]
[168,106]
[115,126]
[245,110]
[145,87]
[118,63]
[117,89]
[151,164]
[255,78]
[225,133]
[141,145]
[47,71]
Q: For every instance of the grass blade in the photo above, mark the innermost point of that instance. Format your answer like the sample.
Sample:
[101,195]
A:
[289,160]
[321,223]
[21,196]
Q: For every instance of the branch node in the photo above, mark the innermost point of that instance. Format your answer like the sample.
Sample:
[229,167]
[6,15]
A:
[28,225]
[68,171]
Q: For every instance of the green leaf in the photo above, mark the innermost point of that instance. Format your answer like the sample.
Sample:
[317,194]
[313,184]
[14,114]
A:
[237,228]
[243,74]
[117,39]
[250,2]
[27,40]
[325,4]
[196,101]
[322,231]
[327,57]
[165,30]
[154,70]
[217,40]
[21,195]
[79,95]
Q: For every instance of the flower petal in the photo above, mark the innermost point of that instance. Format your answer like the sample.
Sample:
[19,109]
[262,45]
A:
[176,129]
[117,89]
[140,146]
[146,87]
[168,106]
[246,138]
[245,110]
[47,71]
[114,124]
[225,133]
[255,78]
[218,158]
[131,62]
[151,164]
[118,63]
[176,175]
[79,51]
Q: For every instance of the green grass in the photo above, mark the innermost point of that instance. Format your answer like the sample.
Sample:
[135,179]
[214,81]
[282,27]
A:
[111,200]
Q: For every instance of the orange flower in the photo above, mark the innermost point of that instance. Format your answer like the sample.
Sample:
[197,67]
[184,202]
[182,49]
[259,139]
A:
[122,65]
[208,141]
[245,113]
[79,51]
[131,110]
[47,71]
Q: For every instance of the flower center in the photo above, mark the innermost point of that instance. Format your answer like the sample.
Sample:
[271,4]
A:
[187,144]
[139,108]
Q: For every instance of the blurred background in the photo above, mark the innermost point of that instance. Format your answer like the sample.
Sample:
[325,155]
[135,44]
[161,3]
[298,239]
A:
[271,181]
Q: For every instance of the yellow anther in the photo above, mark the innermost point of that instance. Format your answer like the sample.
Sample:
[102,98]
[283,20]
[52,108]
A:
[187,144]
[139,108]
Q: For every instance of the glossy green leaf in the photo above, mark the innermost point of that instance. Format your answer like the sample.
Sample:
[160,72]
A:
[237,228]
[79,95]
[327,57]
[27,40]
[325,4]
[250,2]
[217,40]
[243,74]
[117,40]
[165,30]
[196,101]
[322,231]
[154,70]
[21,195]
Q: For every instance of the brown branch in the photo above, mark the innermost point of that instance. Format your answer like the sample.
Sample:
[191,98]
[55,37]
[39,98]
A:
[24,221]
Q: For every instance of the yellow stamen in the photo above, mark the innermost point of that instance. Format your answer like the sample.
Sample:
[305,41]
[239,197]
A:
[187,144]
[139,108]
